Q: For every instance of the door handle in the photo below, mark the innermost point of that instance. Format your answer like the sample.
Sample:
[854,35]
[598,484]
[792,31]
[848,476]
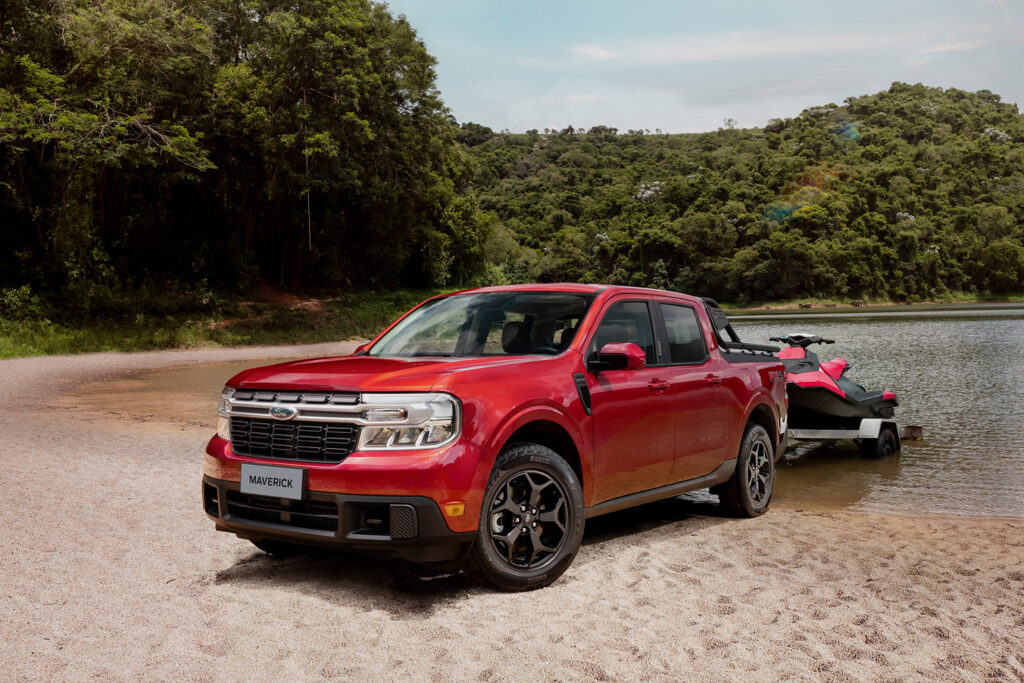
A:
[712,380]
[658,386]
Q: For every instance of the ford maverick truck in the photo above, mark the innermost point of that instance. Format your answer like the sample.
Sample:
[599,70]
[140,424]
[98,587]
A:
[484,427]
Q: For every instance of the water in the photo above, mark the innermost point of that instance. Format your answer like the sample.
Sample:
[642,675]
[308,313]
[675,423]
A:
[957,373]
[187,395]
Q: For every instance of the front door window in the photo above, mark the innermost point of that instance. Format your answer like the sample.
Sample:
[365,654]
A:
[627,321]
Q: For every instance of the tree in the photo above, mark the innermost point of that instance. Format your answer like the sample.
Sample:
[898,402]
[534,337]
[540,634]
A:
[157,143]
[899,194]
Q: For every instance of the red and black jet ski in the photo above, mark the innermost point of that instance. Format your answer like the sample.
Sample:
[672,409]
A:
[822,398]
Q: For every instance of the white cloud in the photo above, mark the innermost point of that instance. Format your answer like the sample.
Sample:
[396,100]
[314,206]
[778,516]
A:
[791,87]
[595,52]
[954,47]
[1001,5]
[739,45]
[584,97]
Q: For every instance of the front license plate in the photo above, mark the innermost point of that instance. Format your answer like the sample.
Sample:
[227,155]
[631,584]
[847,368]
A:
[279,482]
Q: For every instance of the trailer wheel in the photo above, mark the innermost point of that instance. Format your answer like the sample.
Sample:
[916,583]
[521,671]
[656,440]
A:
[886,444]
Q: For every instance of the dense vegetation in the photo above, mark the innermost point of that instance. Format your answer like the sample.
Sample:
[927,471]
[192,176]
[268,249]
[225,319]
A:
[350,315]
[911,193]
[155,151]
[158,158]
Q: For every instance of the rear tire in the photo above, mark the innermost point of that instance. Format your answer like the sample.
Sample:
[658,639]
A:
[531,520]
[886,444]
[749,492]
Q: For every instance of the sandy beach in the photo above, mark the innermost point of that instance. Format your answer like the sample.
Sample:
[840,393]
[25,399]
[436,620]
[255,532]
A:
[110,569]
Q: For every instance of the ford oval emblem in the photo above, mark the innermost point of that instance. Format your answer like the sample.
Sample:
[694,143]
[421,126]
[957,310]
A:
[282,412]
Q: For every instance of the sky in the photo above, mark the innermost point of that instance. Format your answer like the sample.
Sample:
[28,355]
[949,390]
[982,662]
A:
[688,65]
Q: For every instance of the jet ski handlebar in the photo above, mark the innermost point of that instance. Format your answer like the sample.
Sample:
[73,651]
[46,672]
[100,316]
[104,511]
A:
[802,340]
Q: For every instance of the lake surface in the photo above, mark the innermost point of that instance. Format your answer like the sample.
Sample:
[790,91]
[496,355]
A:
[957,373]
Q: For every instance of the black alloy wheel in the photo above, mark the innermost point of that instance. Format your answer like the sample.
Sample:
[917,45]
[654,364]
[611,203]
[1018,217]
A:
[528,519]
[749,492]
[531,521]
[759,473]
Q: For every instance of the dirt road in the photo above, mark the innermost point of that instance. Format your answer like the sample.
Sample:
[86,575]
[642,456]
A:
[108,568]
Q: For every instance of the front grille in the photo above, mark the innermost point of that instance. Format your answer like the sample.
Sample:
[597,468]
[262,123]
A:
[300,514]
[328,442]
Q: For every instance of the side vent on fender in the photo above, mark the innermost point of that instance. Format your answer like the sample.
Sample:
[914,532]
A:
[583,389]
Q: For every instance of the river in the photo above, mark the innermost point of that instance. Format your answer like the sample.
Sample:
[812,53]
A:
[958,373]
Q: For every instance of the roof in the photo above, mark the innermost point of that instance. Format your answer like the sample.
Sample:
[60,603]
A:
[574,287]
[541,287]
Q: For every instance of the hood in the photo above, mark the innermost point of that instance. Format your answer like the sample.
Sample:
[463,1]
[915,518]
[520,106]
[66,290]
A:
[362,373]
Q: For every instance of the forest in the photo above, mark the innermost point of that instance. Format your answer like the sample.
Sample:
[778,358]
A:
[908,194]
[163,157]
[155,153]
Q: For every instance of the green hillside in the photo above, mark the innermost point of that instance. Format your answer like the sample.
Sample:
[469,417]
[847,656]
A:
[910,193]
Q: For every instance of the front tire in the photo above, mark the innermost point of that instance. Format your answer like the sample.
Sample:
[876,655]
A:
[278,549]
[531,521]
[749,492]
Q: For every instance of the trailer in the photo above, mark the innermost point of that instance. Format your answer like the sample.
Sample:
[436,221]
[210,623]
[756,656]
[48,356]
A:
[877,437]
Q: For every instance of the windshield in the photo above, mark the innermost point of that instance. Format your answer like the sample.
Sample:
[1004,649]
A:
[488,324]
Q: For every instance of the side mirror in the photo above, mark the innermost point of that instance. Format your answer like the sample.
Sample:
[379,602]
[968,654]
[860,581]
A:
[361,349]
[618,356]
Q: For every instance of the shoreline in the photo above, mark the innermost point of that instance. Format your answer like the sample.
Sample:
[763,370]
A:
[330,320]
[851,307]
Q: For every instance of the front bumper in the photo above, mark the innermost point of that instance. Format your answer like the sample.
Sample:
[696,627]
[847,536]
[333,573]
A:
[408,527]
[454,474]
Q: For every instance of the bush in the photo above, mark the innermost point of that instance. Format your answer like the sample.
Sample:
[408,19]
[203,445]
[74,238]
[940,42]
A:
[20,305]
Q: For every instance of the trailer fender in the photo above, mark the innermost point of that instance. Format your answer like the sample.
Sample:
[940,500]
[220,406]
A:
[871,427]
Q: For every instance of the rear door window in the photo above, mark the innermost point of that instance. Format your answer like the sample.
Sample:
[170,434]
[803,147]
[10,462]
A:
[685,337]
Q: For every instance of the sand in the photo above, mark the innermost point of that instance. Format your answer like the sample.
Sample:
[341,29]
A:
[110,569]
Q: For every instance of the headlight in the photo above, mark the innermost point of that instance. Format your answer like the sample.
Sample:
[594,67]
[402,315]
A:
[223,421]
[387,421]
[224,428]
[422,421]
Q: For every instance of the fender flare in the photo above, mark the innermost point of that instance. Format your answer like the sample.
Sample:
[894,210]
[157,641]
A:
[763,398]
[541,412]
[871,427]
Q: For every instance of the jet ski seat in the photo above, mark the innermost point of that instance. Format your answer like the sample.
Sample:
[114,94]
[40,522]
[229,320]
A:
[855,391]
[834,367]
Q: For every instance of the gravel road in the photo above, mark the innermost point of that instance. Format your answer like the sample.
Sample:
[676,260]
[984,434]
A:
[109,569]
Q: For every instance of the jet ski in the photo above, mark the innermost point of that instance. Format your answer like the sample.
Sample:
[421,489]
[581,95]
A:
[826,404]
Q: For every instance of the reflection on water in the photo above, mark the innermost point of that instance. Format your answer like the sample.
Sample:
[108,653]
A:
[187,394]
[959,374]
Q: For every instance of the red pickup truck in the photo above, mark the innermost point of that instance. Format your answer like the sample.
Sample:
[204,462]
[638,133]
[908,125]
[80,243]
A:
[484,427]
